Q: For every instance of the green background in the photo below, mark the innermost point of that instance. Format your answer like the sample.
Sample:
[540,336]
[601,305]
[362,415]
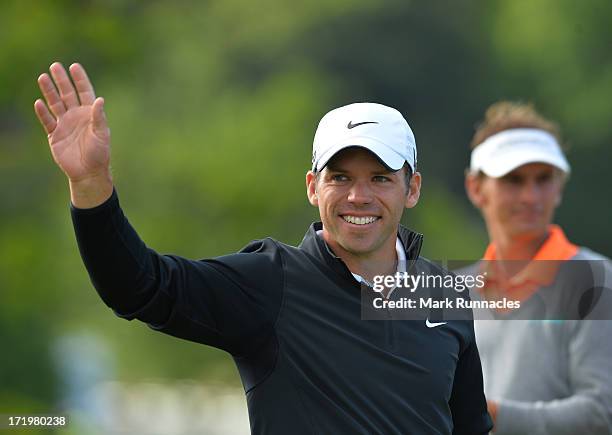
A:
[213,106]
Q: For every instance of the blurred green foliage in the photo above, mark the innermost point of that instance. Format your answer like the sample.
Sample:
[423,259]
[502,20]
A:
[213,106]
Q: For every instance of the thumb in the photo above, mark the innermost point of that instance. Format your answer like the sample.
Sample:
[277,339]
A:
[100,127]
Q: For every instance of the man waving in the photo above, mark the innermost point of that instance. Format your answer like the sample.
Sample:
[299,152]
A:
[290,316]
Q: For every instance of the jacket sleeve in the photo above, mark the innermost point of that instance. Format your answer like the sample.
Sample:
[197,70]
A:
[589,409]
[468,404]
[229,302]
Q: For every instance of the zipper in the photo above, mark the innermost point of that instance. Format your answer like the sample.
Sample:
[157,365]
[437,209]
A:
[389,331]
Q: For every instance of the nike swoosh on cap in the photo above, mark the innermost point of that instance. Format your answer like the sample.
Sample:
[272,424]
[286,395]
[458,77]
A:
[351,125]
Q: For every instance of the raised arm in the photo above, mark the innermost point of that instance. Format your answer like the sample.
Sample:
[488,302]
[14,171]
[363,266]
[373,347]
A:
[228,302]
[78,133]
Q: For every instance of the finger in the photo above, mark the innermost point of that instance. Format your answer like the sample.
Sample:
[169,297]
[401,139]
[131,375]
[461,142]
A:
[53,99]
[83,85]
[100,126]
[66,90]
[44,116]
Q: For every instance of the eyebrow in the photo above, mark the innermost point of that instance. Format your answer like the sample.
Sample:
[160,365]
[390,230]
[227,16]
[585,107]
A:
[383,170]
[543,172]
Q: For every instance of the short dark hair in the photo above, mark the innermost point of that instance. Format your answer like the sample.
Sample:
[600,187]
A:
[408,175]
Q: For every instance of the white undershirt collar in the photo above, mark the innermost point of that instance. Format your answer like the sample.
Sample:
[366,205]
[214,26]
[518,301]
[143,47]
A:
[401,261]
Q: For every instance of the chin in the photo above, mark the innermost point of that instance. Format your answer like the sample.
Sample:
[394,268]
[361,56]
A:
[530,229]
[357,247]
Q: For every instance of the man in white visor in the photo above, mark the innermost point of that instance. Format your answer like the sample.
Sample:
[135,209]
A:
[542,375]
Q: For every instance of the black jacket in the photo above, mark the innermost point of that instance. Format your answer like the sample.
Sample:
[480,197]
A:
[291,318]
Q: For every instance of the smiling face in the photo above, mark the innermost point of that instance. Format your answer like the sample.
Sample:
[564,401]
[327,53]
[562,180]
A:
[521,203]
[360,203]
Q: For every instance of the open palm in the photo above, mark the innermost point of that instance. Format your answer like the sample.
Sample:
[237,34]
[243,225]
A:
[75,123]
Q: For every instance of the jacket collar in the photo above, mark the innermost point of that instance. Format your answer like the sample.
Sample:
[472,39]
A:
[555,247]
[317,247]
[540,271]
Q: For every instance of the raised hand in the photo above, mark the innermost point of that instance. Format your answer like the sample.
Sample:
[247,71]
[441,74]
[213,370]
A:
[78,133]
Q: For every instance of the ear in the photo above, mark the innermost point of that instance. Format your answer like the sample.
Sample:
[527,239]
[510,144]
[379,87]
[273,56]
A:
[412,198]
[562,180]
[473,188]
[311,188]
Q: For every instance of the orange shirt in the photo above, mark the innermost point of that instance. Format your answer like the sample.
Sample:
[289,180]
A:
[520,279]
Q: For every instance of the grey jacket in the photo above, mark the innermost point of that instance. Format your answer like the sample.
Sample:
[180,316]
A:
[551,376]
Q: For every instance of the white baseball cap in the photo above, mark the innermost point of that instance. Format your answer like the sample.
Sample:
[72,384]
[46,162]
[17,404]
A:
[507,150]
[375,127]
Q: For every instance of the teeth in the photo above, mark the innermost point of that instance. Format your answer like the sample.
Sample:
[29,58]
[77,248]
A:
[358,220]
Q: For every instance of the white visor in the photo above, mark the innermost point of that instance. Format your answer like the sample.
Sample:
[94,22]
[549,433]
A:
[505,151]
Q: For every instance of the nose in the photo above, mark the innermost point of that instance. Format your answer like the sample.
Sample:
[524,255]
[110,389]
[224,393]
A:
[360,193]
[530,192]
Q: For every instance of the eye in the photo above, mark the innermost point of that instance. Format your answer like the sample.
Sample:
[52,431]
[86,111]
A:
[339,177]
[544,178]
[381,179]
[512,179]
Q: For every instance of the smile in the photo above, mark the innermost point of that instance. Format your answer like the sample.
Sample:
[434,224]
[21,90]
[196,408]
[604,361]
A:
[360,220]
